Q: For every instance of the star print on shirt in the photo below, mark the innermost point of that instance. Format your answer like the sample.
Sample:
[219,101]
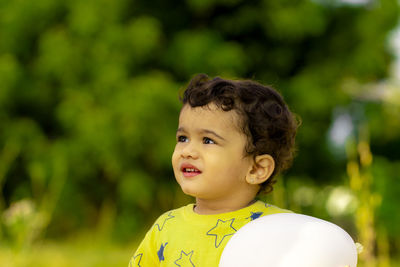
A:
[255,215]
[135,261]
[160,252]
[169,216]
[185,259]
[267,205]
[221,230]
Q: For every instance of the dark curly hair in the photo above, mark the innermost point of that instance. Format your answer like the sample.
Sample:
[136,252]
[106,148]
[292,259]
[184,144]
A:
[265,118]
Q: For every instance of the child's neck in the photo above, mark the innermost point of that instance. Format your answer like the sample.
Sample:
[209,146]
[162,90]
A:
[204,206]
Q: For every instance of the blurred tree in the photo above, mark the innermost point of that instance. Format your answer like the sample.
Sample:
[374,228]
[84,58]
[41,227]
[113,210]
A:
[93,86]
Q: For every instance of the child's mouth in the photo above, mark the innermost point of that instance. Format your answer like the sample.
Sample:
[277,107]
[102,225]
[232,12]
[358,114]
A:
[190,171]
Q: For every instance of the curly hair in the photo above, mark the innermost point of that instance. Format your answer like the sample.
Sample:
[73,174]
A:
[265,118]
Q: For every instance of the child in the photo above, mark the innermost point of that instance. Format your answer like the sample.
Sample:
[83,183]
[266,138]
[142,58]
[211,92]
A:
[233,138]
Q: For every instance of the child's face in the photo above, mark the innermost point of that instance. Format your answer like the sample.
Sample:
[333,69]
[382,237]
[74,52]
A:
[209,159]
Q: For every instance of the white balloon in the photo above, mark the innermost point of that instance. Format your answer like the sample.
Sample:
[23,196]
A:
[289,240]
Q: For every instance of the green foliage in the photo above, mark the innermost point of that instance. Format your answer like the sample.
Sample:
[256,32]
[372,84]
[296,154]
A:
[385,173]
[205,50]
[89,102]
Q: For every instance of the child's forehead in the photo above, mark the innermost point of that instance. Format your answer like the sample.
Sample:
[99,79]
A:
[210,115]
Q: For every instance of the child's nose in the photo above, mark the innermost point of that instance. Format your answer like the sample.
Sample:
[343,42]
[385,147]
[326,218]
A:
[190,151]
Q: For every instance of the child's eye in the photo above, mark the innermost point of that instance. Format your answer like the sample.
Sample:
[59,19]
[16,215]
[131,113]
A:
[208,141]
[182,139]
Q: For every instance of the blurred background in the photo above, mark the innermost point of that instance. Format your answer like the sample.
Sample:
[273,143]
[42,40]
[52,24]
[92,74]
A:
[89,107]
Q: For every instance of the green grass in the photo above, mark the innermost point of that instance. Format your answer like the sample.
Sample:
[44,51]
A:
[81,252]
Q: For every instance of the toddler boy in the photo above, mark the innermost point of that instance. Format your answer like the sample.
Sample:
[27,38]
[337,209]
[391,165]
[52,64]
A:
[233,138]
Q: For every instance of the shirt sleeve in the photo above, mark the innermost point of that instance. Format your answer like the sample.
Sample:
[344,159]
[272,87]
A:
[146,253]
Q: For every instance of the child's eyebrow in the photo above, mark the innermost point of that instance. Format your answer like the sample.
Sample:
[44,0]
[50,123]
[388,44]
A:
[212,132]
[180,129]
[203,131]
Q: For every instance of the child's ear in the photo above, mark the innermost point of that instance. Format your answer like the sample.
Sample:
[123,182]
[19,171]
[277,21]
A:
[262,169]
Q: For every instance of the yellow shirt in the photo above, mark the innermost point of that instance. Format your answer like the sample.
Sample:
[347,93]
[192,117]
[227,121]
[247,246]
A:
[183,238]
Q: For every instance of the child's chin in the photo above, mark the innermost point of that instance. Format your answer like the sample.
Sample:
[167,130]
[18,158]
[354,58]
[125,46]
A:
[188,191]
